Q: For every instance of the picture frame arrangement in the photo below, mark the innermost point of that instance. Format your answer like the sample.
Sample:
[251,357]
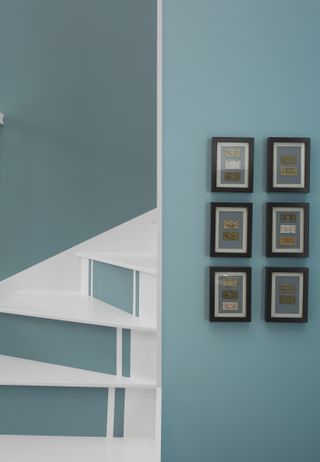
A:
[231,229]
[288,165]
[286,295]
[230,294]
[287,229]
[232,164]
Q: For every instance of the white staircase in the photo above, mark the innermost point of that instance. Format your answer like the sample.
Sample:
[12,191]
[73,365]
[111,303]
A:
[62,289]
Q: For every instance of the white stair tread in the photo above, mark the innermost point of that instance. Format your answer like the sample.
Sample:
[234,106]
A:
[24,372]
[145,263]
[71,307]
[67,449]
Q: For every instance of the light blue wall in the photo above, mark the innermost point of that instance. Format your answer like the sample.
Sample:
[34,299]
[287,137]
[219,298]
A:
[236,392]
[77,153]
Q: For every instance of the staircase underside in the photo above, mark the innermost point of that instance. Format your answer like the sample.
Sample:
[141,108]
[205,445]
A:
[67,449]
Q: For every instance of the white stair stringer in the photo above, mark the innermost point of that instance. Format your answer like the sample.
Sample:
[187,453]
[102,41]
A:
[70,307]
[57,289]
[25,372]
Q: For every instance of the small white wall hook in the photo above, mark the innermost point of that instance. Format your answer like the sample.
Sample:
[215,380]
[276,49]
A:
[1,118]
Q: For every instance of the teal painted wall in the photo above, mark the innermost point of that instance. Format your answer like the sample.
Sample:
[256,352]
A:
[65,343]
[78,151]
[247,392]
[53,411]
[113,285]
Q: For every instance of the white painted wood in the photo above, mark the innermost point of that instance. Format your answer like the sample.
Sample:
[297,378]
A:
[148,298]
[140,413]
[71,307]
[63,271]
[110,413]
[24,372]
[143,355]
[134,294]
[144,263]
[1,118]
[119,352]
[91,278]
[76,449]
[158,422]
[160,224]
[85,275]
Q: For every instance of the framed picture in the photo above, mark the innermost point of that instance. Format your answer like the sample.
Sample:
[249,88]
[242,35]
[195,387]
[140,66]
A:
[288,165]
[286,295]
[287,230]
[232,164]
[230,294]
[231,226]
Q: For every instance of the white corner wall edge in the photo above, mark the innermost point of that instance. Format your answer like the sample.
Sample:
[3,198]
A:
[62,272]
[158,429]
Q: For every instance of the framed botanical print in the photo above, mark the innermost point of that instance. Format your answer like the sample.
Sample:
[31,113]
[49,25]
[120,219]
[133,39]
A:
[232,164]
[231,226]
[288,165]
[287,229]
[286,295]
[230,294]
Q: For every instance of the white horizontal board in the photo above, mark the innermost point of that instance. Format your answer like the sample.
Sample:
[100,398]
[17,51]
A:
[24,372]
[71,307]
[66,449]
[144,263]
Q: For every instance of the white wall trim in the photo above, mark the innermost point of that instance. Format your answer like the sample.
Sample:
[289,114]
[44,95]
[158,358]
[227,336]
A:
[158,424]
[159,175]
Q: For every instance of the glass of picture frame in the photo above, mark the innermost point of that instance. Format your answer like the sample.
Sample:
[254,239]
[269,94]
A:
[286,295]
[288,165]
[231,229]
[287,229]
[230,294]
[232,164]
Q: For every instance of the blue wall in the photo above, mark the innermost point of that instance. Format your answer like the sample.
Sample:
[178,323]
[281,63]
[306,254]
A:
[236,392]
[77,153]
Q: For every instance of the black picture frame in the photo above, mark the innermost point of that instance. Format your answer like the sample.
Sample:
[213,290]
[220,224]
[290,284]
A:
[272,185]
[248,144]
[271,314]
[272,250]
[231,273]
[227,207]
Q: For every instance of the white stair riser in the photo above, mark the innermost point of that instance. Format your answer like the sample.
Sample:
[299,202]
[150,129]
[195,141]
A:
[143,355]
[148,298]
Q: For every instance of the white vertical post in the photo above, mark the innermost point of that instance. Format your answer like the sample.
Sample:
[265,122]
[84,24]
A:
[158,420]
[160,209]
[110,414]
[91,277]
[85,272]
[119,352]
[134,301]
[159,180]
